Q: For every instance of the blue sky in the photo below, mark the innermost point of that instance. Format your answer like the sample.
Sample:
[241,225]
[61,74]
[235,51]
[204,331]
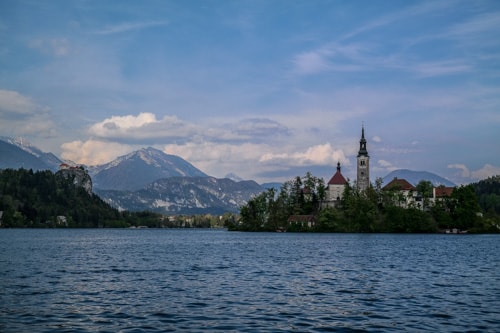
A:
[265,89]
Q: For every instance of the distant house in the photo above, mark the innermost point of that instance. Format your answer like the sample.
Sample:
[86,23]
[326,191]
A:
[441,192]
[403,193]
[406,195]
[335,189]
[62,220]
[302,220]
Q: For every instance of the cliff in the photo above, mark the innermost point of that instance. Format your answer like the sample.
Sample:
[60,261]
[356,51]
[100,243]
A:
[79,175]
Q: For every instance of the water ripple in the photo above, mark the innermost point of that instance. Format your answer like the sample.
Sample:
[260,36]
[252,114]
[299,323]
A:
[203,280]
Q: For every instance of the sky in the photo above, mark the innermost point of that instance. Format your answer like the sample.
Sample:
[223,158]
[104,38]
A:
[267,90]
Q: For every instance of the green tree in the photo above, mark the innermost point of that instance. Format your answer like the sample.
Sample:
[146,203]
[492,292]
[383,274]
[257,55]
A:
[254,214]
[440,211]
[464,207]
[424,190]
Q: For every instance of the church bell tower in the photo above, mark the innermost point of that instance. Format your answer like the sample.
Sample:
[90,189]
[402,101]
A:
[363,179]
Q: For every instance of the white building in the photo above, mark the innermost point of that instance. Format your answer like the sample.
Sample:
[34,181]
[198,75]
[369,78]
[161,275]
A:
[335,189]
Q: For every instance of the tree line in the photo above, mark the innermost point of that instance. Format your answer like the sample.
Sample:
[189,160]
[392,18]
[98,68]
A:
[44,199]
[473,208]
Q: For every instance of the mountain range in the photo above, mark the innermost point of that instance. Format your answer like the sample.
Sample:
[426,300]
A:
[185,195]
[149,179]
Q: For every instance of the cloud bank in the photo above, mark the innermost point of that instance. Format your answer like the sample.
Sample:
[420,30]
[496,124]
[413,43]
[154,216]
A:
[232,144]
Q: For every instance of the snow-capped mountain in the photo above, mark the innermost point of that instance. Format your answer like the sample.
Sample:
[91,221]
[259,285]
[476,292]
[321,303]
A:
[136,170]
[414,177]
[17,153]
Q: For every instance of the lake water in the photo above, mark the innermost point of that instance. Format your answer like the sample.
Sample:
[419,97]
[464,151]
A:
[164,280]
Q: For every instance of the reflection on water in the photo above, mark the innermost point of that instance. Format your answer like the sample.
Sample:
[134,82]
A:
[213,280]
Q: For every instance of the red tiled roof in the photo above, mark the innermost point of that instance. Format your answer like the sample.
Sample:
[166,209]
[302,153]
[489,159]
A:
[337,179]
[442,191]
[400,185]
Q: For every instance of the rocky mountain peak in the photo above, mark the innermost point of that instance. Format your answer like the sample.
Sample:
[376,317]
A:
[140,168]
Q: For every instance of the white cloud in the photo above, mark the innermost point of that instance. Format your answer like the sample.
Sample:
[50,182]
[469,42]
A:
[342,55]
[94,152]
[237,146]
[58,47]
[467,175]
[147,128]
[448,67]
[12,102]
[399,150]
[332,57]
[252,148]
[376,138]
[218,159]
[310,63]
[386,165]
[477,25]
[247,159]
[464,171]
[121,124]
[486,171]
[129,26]
[20,116]
[316,155]
[214,158]
[144,126]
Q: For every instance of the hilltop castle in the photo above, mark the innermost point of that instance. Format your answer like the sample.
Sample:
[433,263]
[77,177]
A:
[336,185]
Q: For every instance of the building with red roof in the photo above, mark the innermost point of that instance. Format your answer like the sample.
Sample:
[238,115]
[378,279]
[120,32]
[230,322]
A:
[403,193]
[335,188]
[399,184]
[441,192]
[406,195]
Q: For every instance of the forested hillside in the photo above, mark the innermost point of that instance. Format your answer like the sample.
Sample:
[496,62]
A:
[44,199]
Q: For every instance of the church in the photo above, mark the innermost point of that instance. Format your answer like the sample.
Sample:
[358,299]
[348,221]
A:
[336,185]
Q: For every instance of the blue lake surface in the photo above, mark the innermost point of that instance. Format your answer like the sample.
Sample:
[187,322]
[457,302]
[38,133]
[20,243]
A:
[161,280]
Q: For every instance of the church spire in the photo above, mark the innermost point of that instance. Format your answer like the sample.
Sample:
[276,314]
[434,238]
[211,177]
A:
[362,143]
